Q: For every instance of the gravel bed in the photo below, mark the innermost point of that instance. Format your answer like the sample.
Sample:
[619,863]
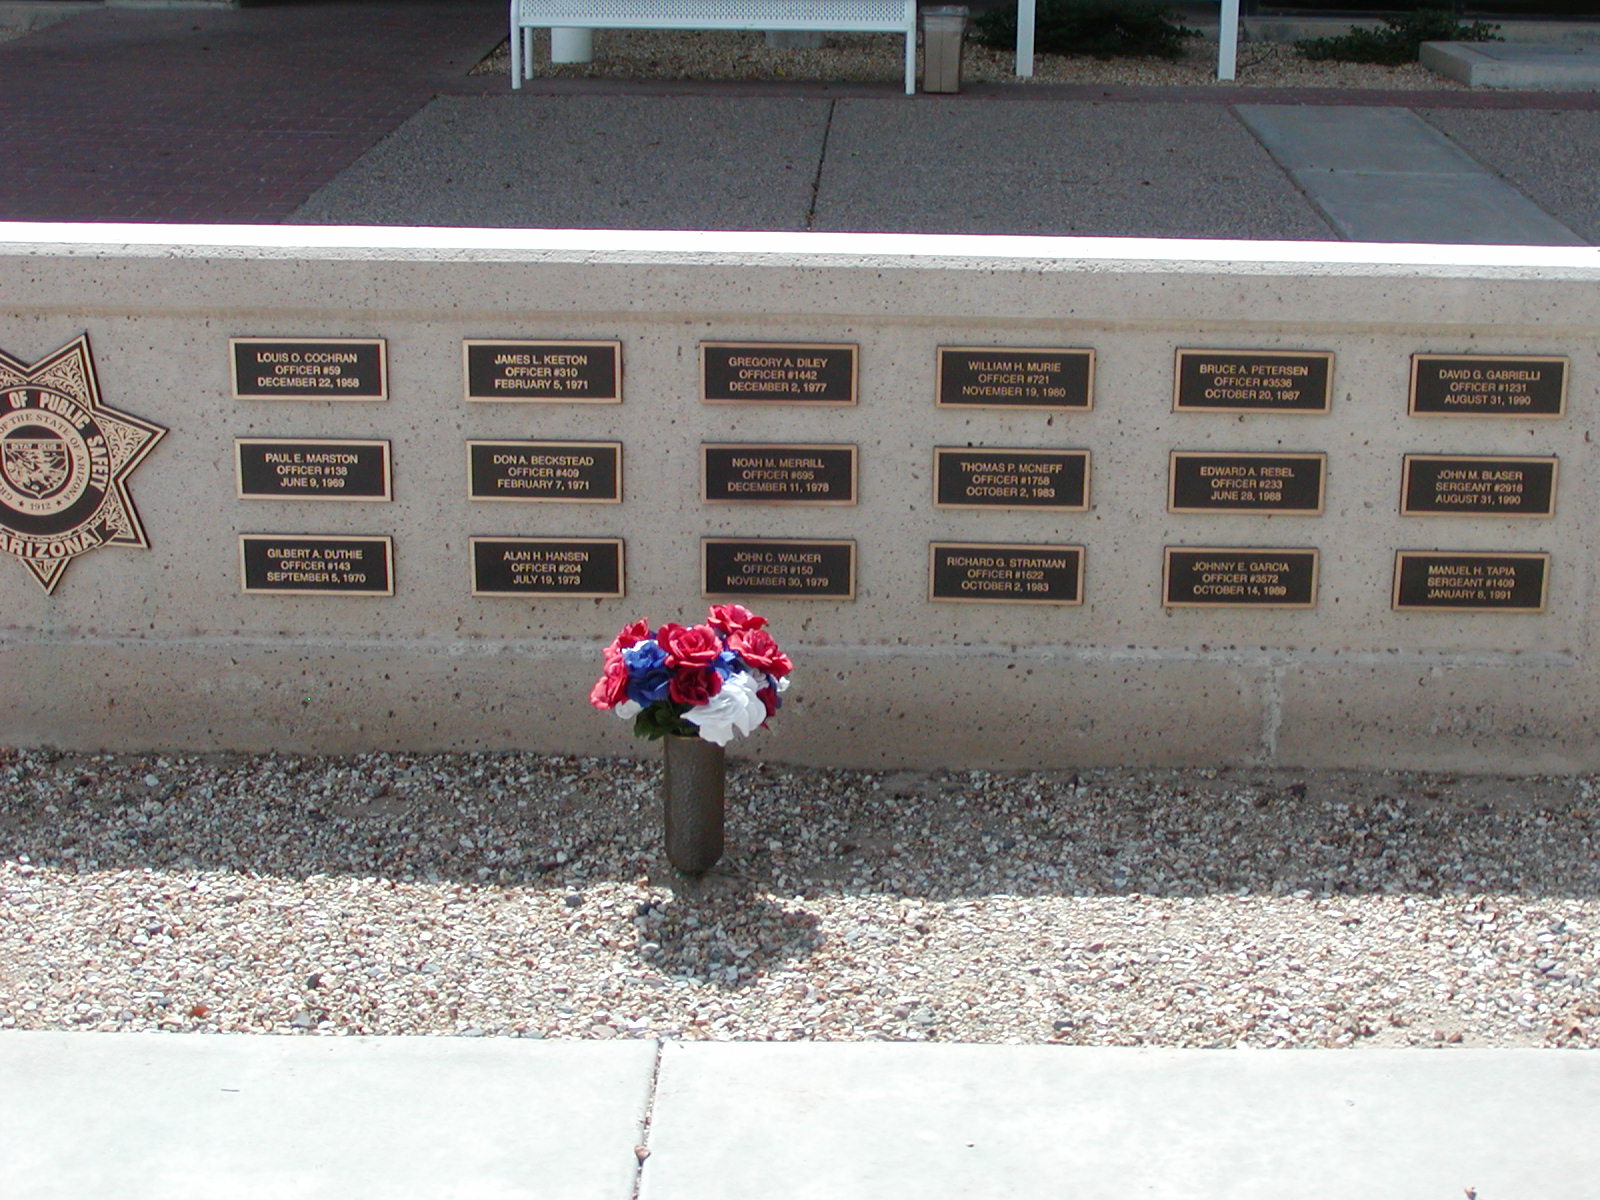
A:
[880,58]
[521,895]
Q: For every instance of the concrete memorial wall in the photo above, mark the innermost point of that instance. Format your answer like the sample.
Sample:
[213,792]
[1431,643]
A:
[1007,501]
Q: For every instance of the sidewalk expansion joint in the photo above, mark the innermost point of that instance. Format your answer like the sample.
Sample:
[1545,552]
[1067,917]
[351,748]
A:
[641,1150]
[822,159]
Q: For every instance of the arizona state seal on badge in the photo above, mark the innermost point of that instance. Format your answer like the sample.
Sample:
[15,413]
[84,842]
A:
[64,463]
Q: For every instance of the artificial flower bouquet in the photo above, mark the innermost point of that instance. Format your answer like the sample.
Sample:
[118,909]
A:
[713,681]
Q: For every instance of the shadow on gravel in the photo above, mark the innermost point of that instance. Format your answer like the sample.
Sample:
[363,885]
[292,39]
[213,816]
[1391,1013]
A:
[722,929]
[529,821]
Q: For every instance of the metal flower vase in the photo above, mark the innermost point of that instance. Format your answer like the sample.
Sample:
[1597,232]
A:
[692,786]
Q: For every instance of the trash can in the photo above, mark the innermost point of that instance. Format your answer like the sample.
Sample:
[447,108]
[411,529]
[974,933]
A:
[571,45]
[942,31]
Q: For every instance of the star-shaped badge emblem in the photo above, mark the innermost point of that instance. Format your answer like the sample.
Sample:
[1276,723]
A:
[64,463]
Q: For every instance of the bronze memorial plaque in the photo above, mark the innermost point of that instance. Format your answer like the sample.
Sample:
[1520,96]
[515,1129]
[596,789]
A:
[1231,576]
[576,568]
[981,477]
[581,472]
[786,474]
[1015,377]
[1470,581]
[555,372]
[311,469]
[787,567]
[289,564]
[1005,573]
[1252,381]
[267,368]
[777,373]
[1488,385]
[1439,485]
[1246,483]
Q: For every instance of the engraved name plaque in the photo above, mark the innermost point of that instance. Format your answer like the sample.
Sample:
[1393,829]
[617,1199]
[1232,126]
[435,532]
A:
[1437,485]
[1227,577]
[577,568]
[309,368]
[1469,581]
[555,372]
[989,478]
[798,474]
[1015,377]
[1246,483]
[1252,381]
[316,565]
[311,469]
[777,373]
[813,570]
[582,472]
[1487,385]
[1008,574]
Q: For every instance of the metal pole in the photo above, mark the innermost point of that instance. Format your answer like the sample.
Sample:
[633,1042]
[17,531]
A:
[1025,37]
[1228,39]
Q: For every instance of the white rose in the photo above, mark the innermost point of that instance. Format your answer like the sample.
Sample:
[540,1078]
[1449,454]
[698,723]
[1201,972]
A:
[736,709]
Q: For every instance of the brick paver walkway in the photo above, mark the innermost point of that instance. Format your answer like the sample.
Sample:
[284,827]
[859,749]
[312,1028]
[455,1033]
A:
[217,116]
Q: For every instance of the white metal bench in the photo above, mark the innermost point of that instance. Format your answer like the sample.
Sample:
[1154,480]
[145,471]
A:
[806,16]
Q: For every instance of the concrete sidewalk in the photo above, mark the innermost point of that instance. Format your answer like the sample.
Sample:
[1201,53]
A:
[128,1117]
[980,165]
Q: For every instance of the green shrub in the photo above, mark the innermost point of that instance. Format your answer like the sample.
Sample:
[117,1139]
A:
[1102,28]
[1400,39]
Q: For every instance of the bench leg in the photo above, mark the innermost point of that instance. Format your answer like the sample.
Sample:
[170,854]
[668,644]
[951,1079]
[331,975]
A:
[516,56]
[911,64]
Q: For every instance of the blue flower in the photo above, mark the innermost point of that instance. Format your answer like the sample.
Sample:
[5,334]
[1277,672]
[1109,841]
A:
[646,687]
[648,673]
[644,656]
[728,663]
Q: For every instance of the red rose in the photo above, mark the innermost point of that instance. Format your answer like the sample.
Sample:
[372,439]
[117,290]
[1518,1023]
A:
[735,618]
[758,649]
[611,689]
[696,646]
[694,686]
[631,635]
[768,696]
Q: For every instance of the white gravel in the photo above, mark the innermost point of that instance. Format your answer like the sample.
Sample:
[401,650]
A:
[526,895]
[880,58]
